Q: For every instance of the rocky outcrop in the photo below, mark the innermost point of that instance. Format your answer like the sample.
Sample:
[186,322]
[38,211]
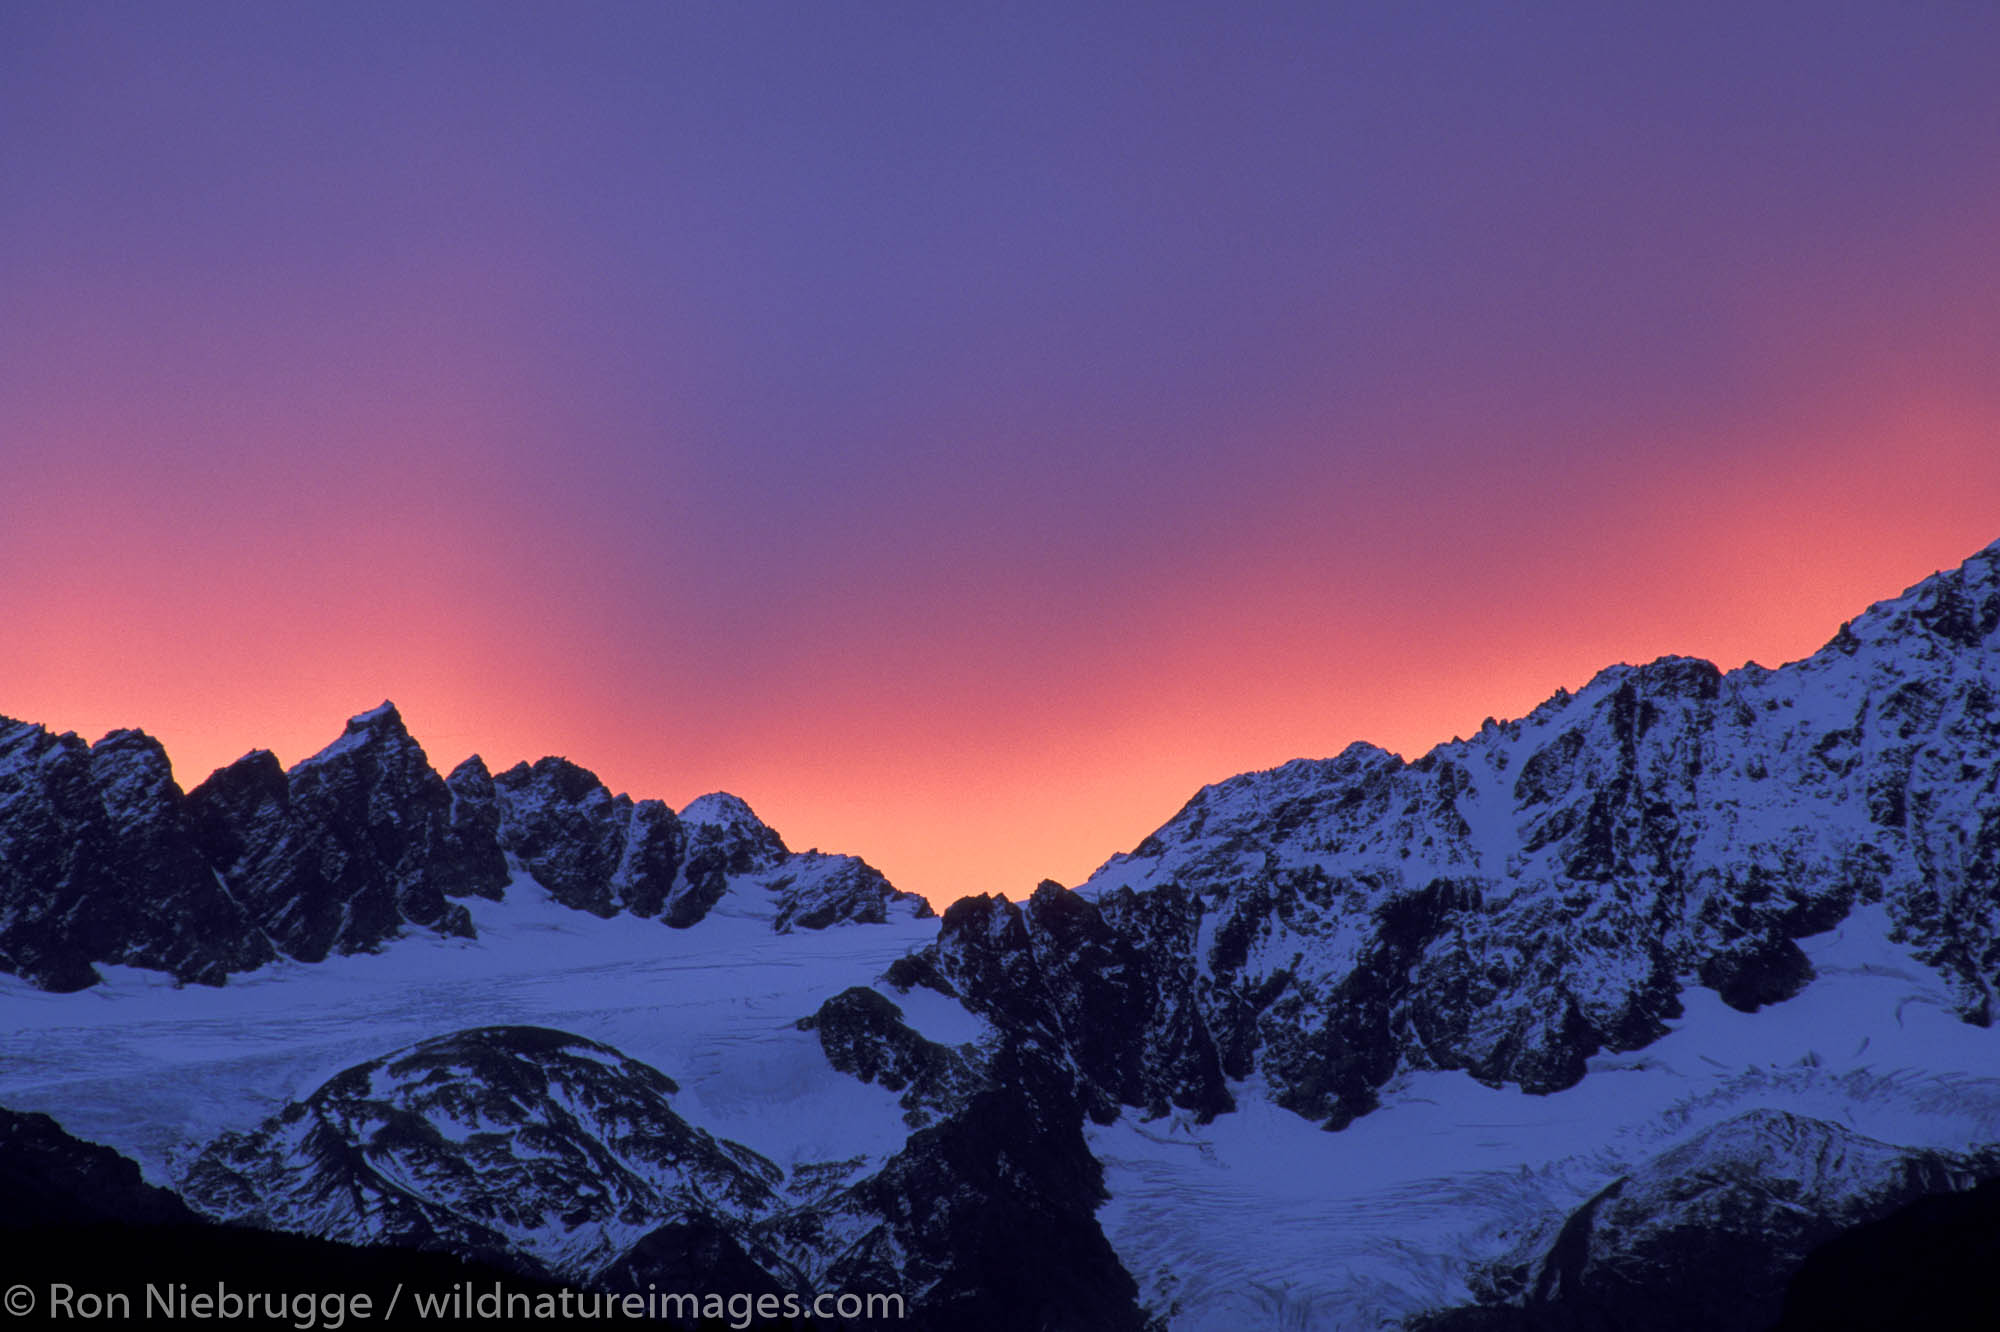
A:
[48,1178]
[79,1214]
[808,890]
[592,850]
[812,890]
[339,853]
[1110,984]
[988,1218]
[555,1156]
[101,862]
[862,1033]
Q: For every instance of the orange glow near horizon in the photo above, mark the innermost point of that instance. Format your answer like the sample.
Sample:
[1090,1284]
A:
[951,765]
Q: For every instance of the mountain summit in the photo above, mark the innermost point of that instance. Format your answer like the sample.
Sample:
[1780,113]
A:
[103,859]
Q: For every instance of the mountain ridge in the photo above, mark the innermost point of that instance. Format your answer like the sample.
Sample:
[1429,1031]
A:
[104,859]
[1513,903]
[1576,995]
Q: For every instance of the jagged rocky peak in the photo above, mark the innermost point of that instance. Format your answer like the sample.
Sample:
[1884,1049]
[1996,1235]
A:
[532,1148]
[338,854]
[606,853]
[726,823]
[1513,903]
[1290,795]
[105,860]
[132,773]
[99,863]
[1953,608]
[799,889]
[813,890]
[592,850]
[381,729]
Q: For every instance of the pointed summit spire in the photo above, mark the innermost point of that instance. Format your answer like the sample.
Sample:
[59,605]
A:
[383,717]
[380,726]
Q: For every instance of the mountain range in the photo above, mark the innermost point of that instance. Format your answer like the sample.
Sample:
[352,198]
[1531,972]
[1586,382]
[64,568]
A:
[1627,1013]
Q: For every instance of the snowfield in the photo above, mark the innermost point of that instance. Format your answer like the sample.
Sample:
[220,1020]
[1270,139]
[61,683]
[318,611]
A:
[1260,1219]
[156,1070]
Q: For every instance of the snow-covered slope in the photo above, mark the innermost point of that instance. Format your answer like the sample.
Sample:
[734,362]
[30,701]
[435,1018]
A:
[157,1070]
[1259,1218]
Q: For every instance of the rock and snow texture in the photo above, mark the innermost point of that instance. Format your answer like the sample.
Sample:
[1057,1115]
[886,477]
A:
[104,860]
[1708,1233]
[1260,1218]
[1686,967]
[519,1145]
[935,1168]
[99,862]
[560,1157]
[1624,884]
[156,1069]
[863,1033]
[1515,903]
[343,850]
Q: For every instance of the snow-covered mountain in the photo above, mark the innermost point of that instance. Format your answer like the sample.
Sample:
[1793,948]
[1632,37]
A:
[1605,887]
[107,861]
[513,1143]
[1688,971]
[1515,903]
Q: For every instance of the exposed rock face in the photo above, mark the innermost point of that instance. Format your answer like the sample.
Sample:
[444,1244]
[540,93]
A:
[1507,906]
[100,862]
[592,850]
[725,836]
[519,1145]
[807,889]
[863,1033]
[78,1213]
[1111,985]
[1710,1233]
[988,1217]
[812,890]
[984,1220]
[339,853]
[104,860]
[1516,902]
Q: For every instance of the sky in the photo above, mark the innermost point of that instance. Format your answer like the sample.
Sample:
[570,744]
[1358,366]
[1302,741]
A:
[963,431]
